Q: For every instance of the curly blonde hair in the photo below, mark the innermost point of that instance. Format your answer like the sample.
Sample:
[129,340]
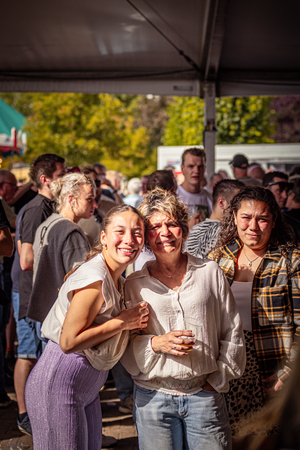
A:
[164,202]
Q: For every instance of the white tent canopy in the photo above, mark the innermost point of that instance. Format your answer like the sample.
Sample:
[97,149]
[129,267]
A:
[203,48]
[166,47]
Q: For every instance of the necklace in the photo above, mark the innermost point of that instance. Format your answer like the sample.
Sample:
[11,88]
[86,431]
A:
[250,262]
[171,276]
[168,276]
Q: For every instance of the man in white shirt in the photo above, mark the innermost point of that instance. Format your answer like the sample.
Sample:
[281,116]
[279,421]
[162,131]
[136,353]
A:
[190,191]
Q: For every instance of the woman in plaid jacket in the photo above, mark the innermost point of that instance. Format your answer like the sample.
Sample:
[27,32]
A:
[261,260]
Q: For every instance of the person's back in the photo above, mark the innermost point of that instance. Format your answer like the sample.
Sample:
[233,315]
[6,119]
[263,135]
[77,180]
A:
[134,187]
[59,244]
[203,237]
[256,171]
[239,166]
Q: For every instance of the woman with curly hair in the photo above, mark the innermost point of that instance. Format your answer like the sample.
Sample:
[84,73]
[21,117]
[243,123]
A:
[261,260]
[181,363]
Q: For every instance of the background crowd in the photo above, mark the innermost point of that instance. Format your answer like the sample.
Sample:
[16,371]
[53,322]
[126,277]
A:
[249,225]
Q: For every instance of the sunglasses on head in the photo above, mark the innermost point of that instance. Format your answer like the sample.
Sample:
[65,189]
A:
[282,185]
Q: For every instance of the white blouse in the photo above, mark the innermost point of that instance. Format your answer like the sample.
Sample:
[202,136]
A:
[203,303]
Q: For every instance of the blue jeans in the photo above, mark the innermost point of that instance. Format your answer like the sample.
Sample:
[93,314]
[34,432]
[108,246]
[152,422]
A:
[27,345]
[164,421]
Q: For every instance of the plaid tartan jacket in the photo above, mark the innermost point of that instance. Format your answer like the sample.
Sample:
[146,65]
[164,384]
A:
[275,307]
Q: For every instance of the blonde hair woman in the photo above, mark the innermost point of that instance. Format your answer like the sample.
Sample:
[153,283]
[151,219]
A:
[59,242]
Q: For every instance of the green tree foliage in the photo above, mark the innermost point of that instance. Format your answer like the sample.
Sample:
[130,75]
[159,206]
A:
[150,112]
[186,122]
[245,120]
[123,131]
[21,101]
[86,128]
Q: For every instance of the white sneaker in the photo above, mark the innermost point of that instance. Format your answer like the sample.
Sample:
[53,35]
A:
[108,441]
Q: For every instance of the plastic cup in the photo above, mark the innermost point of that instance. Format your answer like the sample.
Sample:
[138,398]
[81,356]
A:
[132,304]
[194,326]
[192,210]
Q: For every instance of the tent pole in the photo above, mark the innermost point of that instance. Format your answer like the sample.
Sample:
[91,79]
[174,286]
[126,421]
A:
[210,129]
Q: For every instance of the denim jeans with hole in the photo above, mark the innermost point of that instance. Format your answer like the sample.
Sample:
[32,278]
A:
[166,421]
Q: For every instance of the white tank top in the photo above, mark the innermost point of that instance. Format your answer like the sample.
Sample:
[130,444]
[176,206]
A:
[242,291]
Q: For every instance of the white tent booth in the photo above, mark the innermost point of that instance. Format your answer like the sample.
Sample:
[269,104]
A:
[276,156]
[204,48]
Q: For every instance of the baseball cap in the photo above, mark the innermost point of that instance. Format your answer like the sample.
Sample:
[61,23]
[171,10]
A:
[240,161]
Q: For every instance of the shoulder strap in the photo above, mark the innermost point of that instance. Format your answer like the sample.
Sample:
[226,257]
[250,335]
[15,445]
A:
[45,229]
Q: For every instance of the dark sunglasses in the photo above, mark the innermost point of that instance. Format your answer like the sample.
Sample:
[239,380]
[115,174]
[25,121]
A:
[282,185]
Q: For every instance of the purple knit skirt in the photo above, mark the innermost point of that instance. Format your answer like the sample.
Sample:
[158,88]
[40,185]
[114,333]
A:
[62,401]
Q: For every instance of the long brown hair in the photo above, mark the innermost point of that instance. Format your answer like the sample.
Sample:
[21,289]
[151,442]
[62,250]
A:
[106,222]
[281,237]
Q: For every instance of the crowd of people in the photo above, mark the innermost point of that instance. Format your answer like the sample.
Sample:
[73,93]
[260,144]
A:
[188,293]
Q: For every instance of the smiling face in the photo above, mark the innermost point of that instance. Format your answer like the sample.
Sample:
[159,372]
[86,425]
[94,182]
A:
[193,170]
[123,239]
[85,204]
[164,234]
[254,223]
